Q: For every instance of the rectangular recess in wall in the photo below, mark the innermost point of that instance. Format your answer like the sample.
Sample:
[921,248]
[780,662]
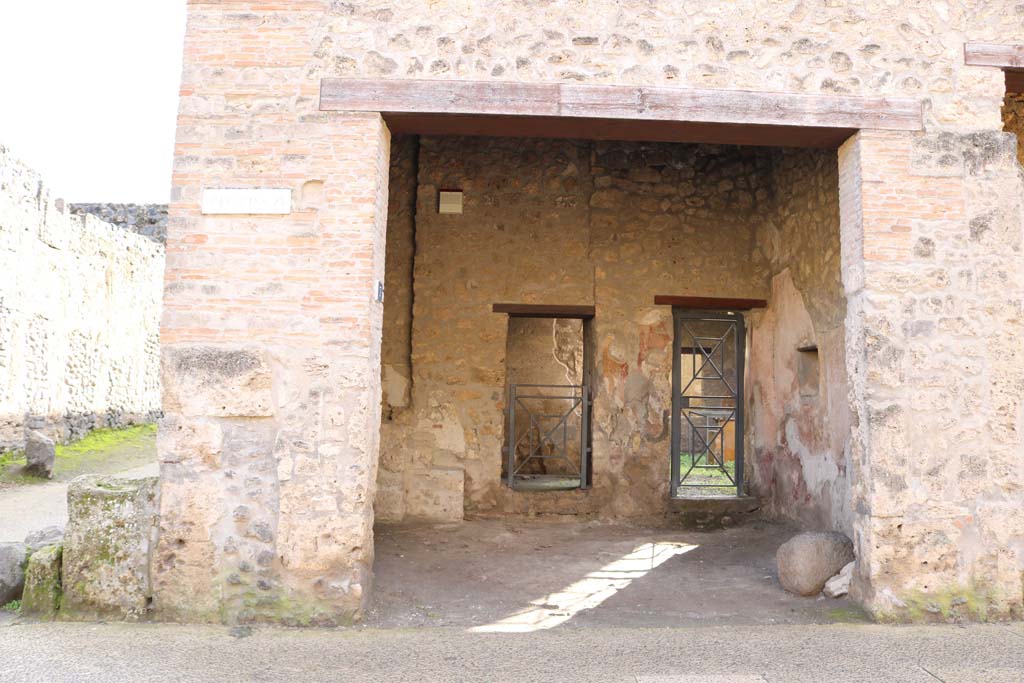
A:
[449,201]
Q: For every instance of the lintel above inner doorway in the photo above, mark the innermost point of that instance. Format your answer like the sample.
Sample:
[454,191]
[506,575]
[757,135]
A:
[614,112]
[709,303]
[544,311]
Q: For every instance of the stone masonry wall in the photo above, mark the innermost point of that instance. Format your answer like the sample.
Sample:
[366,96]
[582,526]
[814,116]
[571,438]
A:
[931,229]
[79,316]
[560,222]
[249,117]
[148,220]
[799,417]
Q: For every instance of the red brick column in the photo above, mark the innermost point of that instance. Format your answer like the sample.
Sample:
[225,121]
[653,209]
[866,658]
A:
[931,265]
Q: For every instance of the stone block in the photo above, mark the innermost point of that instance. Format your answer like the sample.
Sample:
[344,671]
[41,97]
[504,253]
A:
[40,455]
[42,594]
[105,571]
[211,381]
[12,571]
[808,560]
[434,495]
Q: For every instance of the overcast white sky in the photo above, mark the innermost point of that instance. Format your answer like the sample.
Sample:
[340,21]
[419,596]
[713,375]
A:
[88,94]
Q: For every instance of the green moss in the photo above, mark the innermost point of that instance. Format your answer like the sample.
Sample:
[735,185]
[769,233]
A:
[101,451]
[848,615]
[12,606]
[970,603]
[43,591]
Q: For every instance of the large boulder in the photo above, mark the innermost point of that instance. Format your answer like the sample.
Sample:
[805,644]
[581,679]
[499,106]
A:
[40,455]
[808,560]
[41,598]
[105,567]
[12,571]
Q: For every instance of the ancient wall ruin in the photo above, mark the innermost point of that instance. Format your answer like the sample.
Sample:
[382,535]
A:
[906,233]
[79,316]
[149,220]
[799,416]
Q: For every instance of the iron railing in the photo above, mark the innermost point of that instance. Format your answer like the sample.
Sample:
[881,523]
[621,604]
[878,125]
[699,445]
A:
[548,429]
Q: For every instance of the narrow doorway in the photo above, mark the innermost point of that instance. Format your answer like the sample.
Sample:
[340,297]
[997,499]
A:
[547,405]
[707,404]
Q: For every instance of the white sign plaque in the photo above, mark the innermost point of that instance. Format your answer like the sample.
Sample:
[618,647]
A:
[255,200]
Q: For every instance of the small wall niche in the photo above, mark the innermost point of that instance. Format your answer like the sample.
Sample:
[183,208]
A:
[808,369]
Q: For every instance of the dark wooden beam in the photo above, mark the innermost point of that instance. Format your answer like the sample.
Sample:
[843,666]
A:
[617,129]
[589,103]
[708,303]
[544,311]
[992,54]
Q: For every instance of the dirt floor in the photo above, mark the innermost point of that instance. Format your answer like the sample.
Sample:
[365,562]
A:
[522,576]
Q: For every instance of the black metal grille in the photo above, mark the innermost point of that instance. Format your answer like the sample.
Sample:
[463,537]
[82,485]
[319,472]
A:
[548,445]
[707,404]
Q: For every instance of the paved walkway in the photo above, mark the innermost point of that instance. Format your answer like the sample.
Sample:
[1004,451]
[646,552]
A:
[24,509]
[813,653]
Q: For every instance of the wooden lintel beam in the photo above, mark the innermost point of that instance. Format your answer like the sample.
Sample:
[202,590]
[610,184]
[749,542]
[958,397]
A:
[501,98]
[544,311]
[709,303]
[992,54]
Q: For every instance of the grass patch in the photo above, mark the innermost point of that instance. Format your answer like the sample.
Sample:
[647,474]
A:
[851,614]
[102,451]
[12,606]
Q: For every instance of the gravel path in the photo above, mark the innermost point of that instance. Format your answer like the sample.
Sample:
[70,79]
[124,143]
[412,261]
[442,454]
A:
[143,653]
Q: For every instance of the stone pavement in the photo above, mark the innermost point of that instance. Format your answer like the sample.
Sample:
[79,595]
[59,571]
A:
[849,653]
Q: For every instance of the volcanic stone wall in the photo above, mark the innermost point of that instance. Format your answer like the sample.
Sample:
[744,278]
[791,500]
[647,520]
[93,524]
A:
[79,316]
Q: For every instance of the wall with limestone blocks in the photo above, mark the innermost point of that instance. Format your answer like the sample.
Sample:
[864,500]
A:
[79,316]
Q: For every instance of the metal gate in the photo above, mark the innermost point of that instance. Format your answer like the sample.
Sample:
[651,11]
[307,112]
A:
[707,404]
[548,446]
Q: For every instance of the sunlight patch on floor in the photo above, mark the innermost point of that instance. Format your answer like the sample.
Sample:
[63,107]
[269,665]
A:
[589,592]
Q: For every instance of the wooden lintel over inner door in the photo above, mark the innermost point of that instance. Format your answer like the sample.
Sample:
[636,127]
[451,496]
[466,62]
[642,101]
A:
[613,112]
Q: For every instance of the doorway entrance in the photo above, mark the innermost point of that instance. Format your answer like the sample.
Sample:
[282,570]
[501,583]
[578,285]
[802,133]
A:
[707,404]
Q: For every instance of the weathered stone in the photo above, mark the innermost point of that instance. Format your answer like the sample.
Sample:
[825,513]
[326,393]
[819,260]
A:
[217,381]
[42,594]
[808,560]
[434,494]
[839,585]
[40,455]
[79,316]
[105,571]
[12,571]
[51,535]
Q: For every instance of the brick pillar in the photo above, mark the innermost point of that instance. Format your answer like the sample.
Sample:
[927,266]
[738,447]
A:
[271,375]
[931,238]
